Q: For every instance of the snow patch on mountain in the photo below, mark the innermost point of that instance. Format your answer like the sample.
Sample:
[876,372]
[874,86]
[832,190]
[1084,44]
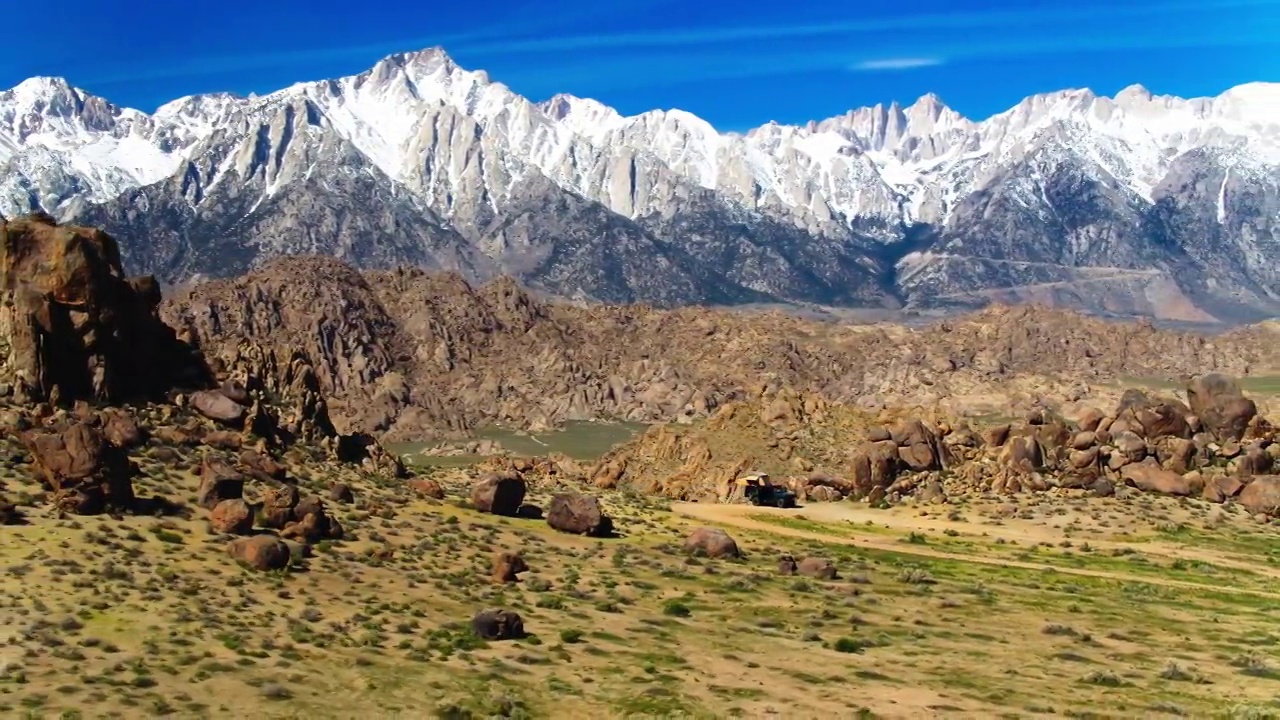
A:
[463,142]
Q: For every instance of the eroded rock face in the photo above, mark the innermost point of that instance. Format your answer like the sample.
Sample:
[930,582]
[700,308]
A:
[412,353]
[76,328]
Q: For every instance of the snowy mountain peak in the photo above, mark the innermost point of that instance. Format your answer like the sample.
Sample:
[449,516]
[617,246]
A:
[1133,93]
[39,87]
[1257,103]
[443,141]
[50,97]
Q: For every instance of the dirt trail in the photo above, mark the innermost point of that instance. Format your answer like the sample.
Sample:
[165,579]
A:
[738,516]
[1014,529]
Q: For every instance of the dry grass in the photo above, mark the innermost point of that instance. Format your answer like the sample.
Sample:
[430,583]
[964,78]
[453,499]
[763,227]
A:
[148,616]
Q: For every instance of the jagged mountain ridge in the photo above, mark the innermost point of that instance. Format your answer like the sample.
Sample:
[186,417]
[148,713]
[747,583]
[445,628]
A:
[411,353]
[1103,203]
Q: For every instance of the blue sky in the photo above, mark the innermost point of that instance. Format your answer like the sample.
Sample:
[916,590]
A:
[738,63]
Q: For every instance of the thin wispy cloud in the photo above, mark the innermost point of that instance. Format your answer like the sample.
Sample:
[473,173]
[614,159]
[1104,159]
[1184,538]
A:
[664,69]
[899,63]
[523,24]
[972,20]
[527,35]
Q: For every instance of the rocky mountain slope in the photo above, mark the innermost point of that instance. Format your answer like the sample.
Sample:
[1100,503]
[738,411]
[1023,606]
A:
[413,354]
[1137,204]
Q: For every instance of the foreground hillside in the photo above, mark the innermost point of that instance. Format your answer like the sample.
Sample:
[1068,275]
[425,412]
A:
[414,354]
[974,610]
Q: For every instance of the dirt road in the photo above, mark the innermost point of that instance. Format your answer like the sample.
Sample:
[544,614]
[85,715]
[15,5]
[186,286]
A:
[739,516]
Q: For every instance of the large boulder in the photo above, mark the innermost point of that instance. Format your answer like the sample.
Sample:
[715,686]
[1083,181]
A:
[1150,477]
[507,567]
[312,522]
[918,446]
[787,565]
[232,517]
[1261,496]
[1220,405]
[428,487]
[712,542]
[340,492]
[218,407]
[75,324]
[816,567]
[1023,453]
[1220,488]
[120,429]
[578,514]
[262,466]
[218,481]
[1153,418]
[874,465]
[261,552]
[497,624]
[498,494]
[86,473]
[278,502]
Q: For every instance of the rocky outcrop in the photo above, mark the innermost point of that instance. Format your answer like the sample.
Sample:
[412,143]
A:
[406,354]
[72,326]
[829,452]
[1220,405]
[87,474]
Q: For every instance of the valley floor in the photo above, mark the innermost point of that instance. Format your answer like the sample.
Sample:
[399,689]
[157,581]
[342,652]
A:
[1098,608]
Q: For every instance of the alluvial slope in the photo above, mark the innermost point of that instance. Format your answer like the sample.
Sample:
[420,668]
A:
[1135,204]
[414,353]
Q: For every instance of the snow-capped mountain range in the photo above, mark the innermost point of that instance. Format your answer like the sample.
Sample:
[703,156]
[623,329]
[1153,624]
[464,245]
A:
[1134,204]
